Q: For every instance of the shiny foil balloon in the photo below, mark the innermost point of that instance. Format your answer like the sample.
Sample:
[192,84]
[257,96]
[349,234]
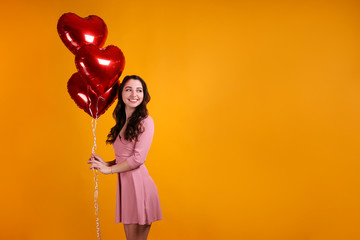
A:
[100,67]
[76,31]
[86,99]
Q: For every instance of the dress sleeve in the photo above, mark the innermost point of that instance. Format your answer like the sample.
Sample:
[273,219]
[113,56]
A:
[142,146]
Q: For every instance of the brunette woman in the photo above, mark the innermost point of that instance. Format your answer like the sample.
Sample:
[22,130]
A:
[137,199]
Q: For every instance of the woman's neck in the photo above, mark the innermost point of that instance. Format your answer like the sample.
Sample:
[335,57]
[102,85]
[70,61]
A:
[129,112]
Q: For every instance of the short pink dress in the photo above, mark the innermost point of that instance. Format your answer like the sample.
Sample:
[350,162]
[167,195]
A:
[137,198]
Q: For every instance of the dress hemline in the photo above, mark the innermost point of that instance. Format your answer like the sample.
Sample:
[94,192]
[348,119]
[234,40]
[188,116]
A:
[142,223]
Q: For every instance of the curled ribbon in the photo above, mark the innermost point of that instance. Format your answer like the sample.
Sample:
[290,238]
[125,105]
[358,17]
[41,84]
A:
[95,171]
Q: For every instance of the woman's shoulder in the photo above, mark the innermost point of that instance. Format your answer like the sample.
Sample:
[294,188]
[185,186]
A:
[148,121]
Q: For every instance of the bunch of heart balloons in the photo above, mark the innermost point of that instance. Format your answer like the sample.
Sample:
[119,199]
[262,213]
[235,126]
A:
[95,84]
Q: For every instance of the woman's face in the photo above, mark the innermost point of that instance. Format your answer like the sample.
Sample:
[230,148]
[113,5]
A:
[133,93]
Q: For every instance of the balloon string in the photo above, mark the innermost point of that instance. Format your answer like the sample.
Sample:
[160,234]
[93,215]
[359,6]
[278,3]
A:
[95,171]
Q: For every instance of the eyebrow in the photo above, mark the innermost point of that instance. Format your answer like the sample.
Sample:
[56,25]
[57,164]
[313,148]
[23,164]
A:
[130,87]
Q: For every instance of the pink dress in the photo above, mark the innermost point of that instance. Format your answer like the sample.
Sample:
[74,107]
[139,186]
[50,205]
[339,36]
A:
[137,199]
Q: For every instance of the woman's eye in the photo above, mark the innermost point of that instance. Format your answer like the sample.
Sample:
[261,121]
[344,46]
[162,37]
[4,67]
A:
[139,90]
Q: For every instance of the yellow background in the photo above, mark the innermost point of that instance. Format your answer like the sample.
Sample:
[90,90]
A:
[256,107]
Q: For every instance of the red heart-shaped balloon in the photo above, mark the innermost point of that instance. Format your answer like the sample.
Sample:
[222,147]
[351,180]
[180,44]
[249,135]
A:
[100,67]
[76,31]
[86,99]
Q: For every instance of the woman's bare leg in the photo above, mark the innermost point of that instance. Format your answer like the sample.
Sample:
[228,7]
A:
[136,231]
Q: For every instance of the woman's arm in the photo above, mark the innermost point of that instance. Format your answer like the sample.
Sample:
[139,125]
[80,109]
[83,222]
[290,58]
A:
[97,163]
[120,167]
[111,163]
[141,149]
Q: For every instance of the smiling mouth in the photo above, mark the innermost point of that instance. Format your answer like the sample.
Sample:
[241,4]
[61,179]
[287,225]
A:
[133,100]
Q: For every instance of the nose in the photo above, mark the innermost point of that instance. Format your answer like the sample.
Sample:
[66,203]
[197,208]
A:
[133,93]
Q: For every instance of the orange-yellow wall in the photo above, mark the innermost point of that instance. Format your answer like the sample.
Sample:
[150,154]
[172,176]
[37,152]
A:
[256,107]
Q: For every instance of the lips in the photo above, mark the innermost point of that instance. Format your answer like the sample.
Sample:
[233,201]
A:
[133,100]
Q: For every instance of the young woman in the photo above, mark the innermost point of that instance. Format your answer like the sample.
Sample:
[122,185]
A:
[137,199]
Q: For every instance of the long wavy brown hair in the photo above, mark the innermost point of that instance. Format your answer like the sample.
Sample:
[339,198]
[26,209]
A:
[134,127]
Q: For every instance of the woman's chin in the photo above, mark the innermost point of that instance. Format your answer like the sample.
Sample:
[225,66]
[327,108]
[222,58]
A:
[132,105]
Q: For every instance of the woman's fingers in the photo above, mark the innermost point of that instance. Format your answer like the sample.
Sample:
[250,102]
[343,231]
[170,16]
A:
[94,156]
[97,157]
[93,160]
[94,165]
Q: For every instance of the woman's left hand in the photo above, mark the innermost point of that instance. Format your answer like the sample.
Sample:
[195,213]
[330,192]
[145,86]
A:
[99,166]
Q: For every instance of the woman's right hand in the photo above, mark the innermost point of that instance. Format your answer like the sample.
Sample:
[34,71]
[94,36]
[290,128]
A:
[98,158]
